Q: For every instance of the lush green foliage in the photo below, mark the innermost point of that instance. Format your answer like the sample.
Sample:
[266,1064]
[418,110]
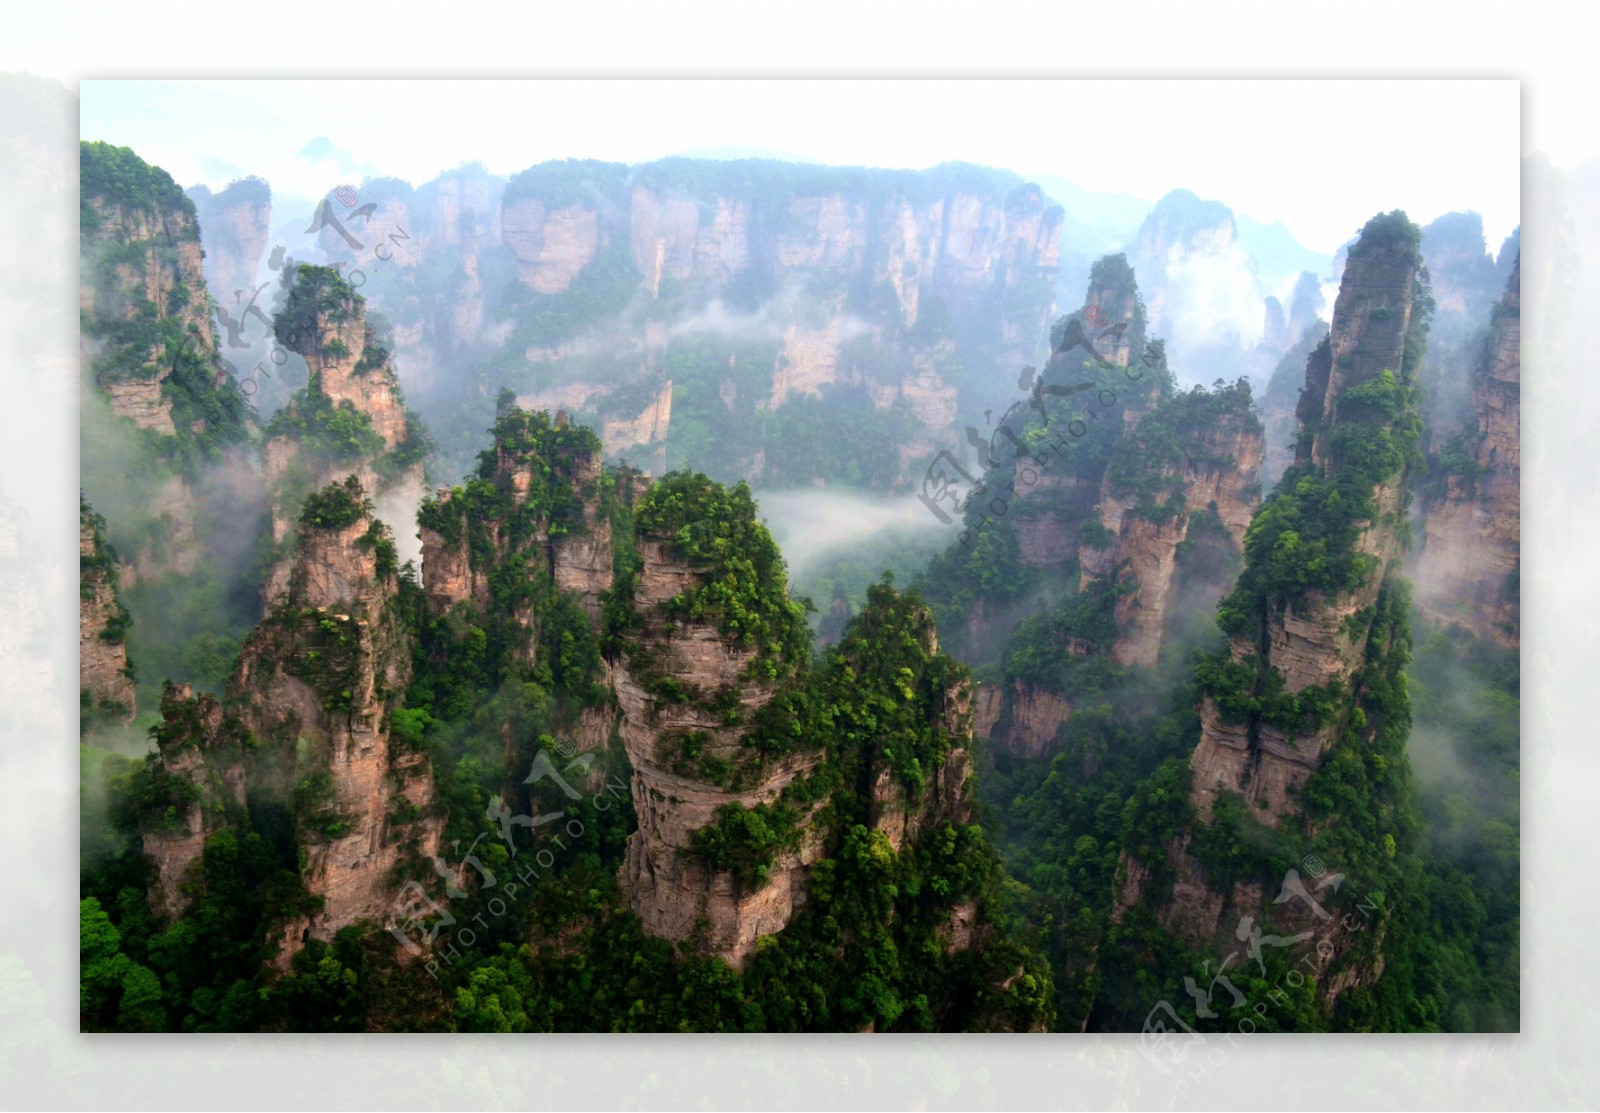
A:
[118,178]
[318,297]
[1304,537]
[1187,431]
[744,841]
[600,291]
[744,589]
[336,506]
[837,435]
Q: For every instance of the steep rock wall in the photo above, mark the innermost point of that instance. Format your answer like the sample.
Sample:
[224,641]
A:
[1466,568]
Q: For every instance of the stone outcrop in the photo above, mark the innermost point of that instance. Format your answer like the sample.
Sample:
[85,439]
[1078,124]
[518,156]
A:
[1312,643]
[327,325]
[671,887]
[846,264]
[150,360]
[200,755]
[1202,457]
[236,226]
[1466,568]
[104,675]
[325,321]
[432,260]
[313,692]
[1466,283]
[904,815]
[142,261]
[690,697]
[1278,403]
[1022,721]
[1049,512]
[536,460]
[551,244]
[325,672]
[649,428]
[674,890]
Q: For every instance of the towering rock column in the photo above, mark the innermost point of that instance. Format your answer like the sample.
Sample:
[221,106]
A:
[1467,568]
[689,693]
[349,421]
[1357,431]
[1317,638]
[308,724]
[104,676]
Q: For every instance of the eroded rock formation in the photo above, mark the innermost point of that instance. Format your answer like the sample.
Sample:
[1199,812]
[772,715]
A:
[350,420]
[1194,454]
[308,725]
[1314,634]
[104,675]
[1467,565]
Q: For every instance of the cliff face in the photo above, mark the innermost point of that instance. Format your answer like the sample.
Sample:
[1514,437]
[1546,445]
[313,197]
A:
[1279,401]
[848,276]
[326,323]
[1315,627]
[104,675]
[350,420]
[732,767]
[1467,282]
[142,292]
[236,226]
[315,687]
[1023,724]
[667,883]
[1195,453]
[200,755]
[432,262]
[150,361]
[325,672]
[1315,641]
[539,507]
[649,428]
[1049,513]
[689,696]
[686,225]
[147,264]
[1466,567]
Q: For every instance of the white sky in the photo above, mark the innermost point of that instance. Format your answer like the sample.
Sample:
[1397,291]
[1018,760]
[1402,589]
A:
[1322,156]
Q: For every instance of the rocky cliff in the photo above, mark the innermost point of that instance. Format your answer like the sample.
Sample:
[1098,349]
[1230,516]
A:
[105,676]
[871,278]
[1279,401]
[1316,625]
[142,292]
[197,774]
[533,508]
[1467,281]
[158,408]
[690,695]
[1022,722]
[431,261]
[1197,454]
[733,771]
[350,420]
[1356,403]
[308,725]
[236,226]
[1466,567]
[1049,512]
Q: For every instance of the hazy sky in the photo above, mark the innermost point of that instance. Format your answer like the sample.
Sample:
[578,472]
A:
[1322,156]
